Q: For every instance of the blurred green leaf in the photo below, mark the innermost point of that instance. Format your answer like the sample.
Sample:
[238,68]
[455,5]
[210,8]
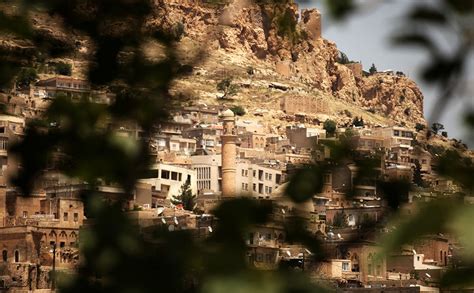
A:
[340,9]
[304,184]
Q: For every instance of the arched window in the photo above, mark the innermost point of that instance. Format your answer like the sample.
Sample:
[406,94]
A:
[63,234]
[4,255]
[17,256]
[370,264]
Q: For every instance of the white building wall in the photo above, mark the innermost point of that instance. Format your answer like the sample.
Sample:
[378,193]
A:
[170,178]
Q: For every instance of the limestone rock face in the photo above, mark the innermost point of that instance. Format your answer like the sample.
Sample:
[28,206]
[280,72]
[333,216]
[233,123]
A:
[395,96]
[252,33]
[279,42]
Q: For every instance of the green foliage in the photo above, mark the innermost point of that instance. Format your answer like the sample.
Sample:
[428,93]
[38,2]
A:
[287,26]
[419,127]
[26,76]
[330,127]
[340,8]
[185,197]
[343,59]
[63,68]
[227,87]
[305,183]
[373,69]
[358,122]
[436,127]
[238,110]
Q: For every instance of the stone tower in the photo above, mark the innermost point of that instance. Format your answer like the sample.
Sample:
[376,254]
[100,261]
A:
[229,152]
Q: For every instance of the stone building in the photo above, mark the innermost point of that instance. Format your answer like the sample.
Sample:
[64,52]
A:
[168,179]
[435,248]
[304,137]
[303,104]
[208,172]
[397,135]
[252,140]
[11,129]
[356,69]
[64,85]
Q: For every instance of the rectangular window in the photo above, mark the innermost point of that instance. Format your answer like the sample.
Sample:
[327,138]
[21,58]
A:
[76,217]
[269,190]
[180,177]
[243,173]
[165,174]
[259,257]
[25,214]
[174,176]
[254,187]
[345,266]
[270,176]
[65,216]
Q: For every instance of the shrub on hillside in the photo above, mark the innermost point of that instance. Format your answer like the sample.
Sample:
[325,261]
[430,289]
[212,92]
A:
[26,76]
[63,68]
[238,110]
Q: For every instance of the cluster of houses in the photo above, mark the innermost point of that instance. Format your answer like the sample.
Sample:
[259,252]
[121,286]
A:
[222,156]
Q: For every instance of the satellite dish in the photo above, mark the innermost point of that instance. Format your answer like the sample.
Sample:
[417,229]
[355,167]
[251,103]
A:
[288,252]
[414,251]
[428,275]
[339,236]
[163,220]
[176,220]
[209,228]
[307,251]
[283,211]
[171,228]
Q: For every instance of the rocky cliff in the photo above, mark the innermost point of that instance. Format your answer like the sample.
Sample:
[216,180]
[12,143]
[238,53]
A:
[278,42]
[287,46]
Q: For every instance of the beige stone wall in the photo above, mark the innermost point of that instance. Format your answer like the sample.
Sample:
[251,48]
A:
[356,69]
[308,105]
[311,21]
[433,248]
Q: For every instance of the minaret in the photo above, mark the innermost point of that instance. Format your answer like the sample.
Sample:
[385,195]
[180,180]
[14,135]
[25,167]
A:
[228,153]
